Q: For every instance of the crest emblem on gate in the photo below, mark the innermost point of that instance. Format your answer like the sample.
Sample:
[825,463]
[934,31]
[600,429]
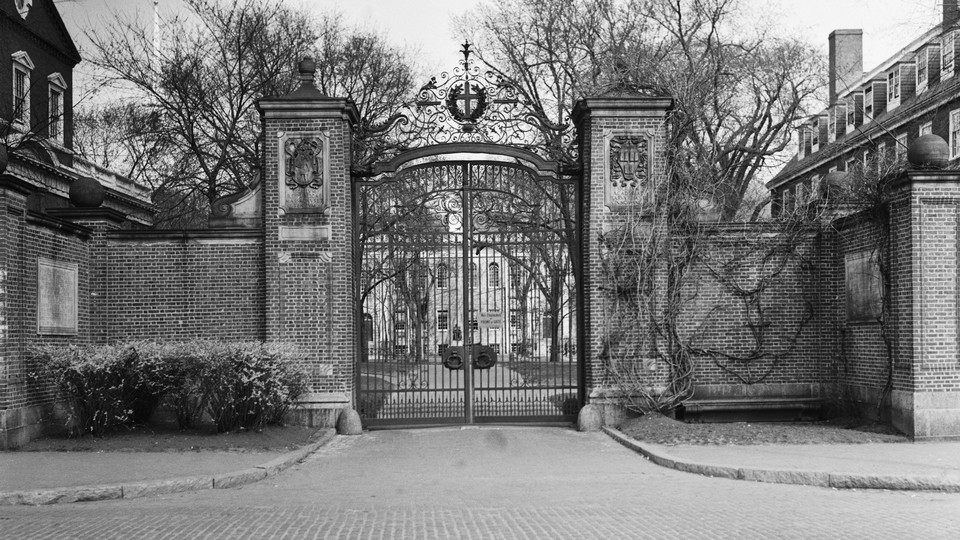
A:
[628,160]
[304,163]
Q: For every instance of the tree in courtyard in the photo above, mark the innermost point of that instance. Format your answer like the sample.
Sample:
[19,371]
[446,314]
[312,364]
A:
[201,91]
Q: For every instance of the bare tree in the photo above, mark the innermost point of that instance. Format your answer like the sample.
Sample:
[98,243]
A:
[738,92]
[217,60]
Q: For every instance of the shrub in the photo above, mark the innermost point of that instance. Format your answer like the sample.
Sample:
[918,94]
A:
[242,385]
[100,384]
[250,384]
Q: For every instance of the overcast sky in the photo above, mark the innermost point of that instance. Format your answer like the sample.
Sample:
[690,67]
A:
[888,25]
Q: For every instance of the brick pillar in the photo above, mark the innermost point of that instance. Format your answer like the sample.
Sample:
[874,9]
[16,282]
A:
[100,221]
[17,423]
[308,248]
[604,125]
[925,303]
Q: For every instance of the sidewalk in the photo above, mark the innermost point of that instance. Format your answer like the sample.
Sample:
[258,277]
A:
[55,477]
[900,466]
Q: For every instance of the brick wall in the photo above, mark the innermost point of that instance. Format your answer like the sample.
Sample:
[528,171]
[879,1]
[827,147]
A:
[182,286]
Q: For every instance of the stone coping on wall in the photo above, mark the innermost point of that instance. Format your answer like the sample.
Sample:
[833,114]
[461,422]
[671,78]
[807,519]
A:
[179,235]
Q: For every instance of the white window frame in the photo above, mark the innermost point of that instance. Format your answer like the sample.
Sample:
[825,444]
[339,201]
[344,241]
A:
[925,129]
[900,151]
[55,118]
[443,275]
[947,55]
[954,133]
[923,61]
[815,185]
[24,65]
[443,320]
[893,88]
[815,136]
[868,104]
[850,164]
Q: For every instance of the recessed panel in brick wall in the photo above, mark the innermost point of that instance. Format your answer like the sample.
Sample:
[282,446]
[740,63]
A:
[57,297]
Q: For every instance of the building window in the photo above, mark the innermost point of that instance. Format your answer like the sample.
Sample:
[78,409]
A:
[57,90]
[881,154]
[815,136]
[946,55]
[893,85]
[922,69]
[400,320]
[868,104]
[514,318]
[441,347]
[493,275]
[851,164]
[473,320]
[851,114]
[443,319]
[474,277]
[514,276]
[901,150]
[954,133]
[926,129]
[22,66]
[443,275]
[55,128]
[815,187]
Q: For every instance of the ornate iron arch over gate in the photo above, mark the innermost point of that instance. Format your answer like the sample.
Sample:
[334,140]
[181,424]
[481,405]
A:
[467,244]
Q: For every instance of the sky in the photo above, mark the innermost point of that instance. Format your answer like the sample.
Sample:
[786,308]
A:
[424,25]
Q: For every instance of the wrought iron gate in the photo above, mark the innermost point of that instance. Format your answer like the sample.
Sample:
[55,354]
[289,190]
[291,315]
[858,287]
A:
[467,295]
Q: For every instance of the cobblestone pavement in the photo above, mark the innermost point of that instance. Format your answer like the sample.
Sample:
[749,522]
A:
[495,483]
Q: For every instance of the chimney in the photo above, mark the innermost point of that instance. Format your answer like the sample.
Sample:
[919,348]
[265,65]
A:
[951,12]
[846,60]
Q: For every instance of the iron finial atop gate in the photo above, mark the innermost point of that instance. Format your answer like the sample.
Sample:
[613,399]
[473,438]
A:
[467,105]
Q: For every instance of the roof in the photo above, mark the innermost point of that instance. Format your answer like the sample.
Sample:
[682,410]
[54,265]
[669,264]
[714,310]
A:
[936,95]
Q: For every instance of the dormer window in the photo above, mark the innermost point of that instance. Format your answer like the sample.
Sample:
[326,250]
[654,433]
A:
[868,104]
[922,73]
[57,89]
[947,52]
[893,87]
[22,67]
[815,136]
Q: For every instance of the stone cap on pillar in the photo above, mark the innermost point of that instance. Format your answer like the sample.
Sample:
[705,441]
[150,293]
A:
[623,102]
[307,98]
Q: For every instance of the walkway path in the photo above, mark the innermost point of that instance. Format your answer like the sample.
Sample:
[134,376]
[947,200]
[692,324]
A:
[495,483]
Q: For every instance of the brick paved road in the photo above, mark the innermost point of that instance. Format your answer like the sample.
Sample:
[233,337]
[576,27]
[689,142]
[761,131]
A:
[495,483]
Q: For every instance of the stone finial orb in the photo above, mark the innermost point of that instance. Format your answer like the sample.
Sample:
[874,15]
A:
[929,152]
[307,67]
[86,192]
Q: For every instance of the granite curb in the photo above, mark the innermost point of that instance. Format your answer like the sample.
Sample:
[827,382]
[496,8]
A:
[906,482]
[130,490]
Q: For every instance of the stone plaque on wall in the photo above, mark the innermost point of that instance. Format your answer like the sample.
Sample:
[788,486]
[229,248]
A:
[628,169]
[57,297]
[864,285]
[304,166]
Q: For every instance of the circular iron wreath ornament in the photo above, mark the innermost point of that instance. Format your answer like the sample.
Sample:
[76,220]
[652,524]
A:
[461,116]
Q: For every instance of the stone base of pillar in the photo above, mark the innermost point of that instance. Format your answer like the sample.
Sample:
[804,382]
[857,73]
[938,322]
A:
[318,409]
[926,415]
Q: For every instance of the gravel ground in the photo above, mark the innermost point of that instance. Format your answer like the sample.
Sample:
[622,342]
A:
[659,429]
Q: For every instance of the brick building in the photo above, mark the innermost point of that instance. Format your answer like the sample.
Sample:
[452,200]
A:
[878,112]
